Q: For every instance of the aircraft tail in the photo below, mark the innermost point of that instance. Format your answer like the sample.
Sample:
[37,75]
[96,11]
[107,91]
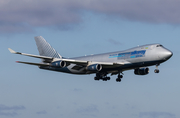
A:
[45,48]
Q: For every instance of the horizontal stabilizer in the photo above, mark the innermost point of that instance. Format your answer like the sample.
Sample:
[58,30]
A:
[36,64]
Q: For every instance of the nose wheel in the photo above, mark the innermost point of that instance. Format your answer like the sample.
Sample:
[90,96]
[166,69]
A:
[156,70]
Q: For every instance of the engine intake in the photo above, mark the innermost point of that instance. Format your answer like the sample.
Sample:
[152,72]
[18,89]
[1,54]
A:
[141,71]
[94,67]
[58,64]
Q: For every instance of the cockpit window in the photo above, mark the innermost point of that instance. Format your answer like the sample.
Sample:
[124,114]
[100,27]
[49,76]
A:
[159,46]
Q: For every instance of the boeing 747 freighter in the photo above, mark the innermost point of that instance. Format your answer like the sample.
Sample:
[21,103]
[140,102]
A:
[114,63]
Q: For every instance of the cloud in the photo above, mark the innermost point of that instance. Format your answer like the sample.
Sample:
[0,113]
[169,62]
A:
[41,112]
[3,107]
[88,109]
[24,15]
[156,115]
[8,114]
[10,111]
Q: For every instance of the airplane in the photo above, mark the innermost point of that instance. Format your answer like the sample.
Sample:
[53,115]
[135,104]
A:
[114,63]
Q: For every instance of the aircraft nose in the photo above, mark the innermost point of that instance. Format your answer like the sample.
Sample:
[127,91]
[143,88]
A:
[170,54]
[167,54]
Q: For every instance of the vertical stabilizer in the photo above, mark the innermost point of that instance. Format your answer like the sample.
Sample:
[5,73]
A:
[45,48]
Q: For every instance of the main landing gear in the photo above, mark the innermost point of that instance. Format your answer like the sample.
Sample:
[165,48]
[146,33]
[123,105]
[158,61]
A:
[119,77]
[101,76]
[156,70]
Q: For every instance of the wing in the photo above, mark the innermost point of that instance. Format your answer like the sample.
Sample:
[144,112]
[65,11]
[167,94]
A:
[49,58]
[79,63]
[82,62]
[36,56]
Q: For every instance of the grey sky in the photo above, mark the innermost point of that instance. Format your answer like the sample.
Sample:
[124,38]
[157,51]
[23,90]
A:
[23,15]
[10,110]
[156,115]
[100,26]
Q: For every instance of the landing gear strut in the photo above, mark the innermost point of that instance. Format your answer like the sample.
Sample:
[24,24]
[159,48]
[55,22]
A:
[119,77]
[102,76]
[156,70]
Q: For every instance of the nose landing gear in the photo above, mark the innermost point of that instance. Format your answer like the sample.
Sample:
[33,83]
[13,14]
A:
[156,70]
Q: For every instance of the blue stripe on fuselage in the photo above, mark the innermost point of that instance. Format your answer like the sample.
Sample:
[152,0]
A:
[134,54]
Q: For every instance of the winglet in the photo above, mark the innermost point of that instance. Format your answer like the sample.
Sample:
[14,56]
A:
[12,51]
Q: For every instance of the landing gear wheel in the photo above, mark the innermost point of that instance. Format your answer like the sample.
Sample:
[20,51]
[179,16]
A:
[156,71]
[96,78]
[108,78]
[120,76]
[104,79]
[118,80]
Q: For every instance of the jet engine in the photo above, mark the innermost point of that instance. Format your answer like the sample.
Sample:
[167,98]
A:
[141,71]
[94,67]
[58,64]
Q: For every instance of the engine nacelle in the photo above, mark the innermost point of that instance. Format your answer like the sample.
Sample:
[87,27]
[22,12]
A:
[58,64]
[94,67]
[141,71]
